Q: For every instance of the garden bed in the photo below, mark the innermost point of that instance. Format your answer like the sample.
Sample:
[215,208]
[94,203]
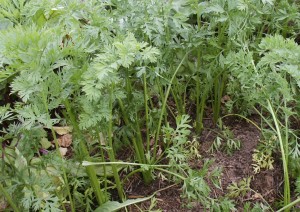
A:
[139,105]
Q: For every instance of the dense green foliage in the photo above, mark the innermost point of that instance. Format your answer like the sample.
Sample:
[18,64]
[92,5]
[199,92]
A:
[139,75]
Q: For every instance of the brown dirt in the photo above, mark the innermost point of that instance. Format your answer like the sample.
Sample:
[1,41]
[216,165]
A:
[265,185]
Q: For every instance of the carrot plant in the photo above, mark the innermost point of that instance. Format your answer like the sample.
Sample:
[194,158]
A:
[125,74]
[277,81]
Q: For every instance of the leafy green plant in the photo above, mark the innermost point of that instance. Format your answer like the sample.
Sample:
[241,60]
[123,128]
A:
[263,154]
[114,206]
[125,74]
[262,161]
[280,93]
[8,198]
[239,189]
[284,146]
[33,192]
[225,141]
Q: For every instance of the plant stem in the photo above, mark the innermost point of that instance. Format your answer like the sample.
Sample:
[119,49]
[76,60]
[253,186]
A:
[219,89]
[146,174]
[111,150]
[284,157]
[287,207]
[138,146]
[146,113]
[286,149]
[163,109]
[199,115]
[139,142]
[87,163]
[241,116]
[178,98]
[172,173]
[103,159]
[101,198]
[199,106]
[8,198]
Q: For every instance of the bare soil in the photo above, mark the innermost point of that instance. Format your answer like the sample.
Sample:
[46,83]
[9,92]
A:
[266,185]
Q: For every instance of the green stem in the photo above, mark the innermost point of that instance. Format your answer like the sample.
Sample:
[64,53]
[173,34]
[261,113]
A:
[138,141]
[132,173]
[171,112]
[201,107]
[199,104]
[218,92]
[87,163]
[288,206]
[139,138]
[172,173]
[111,150]
[199,115]
[2,150]
[103,159]
[284,157]
[241,116]
[146,113]
[8,198]
[160,89]
[163,109]
[178,98]
[140,156]
[101,198]
[286,149]
[146,174]
[266,120]
[126,120]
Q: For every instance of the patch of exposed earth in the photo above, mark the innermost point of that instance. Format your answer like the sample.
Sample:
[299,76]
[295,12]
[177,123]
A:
[265,186]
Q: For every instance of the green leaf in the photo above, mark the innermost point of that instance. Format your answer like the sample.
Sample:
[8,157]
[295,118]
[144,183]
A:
[81,172]
[214,9]
[20,162]
[150,53]
[271,2]
[113,205]
[45,143]
[5,23]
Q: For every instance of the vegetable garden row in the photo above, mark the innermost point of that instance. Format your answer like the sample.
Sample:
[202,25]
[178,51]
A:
[85,82]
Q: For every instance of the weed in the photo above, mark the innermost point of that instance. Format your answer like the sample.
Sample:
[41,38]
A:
[225,141]
[239,189]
